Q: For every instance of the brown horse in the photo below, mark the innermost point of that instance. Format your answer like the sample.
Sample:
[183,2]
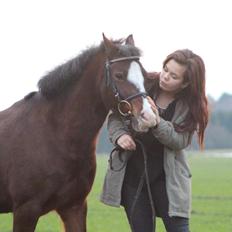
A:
[48,139]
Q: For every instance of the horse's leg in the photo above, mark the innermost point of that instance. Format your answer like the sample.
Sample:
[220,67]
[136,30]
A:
[74,218]
[26,217]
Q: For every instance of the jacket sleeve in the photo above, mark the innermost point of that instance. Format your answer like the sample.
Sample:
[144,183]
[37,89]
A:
[116,127]
[167,135]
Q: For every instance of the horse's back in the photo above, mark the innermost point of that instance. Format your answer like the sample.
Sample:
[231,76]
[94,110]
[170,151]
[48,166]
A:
[9,116]
[12,124]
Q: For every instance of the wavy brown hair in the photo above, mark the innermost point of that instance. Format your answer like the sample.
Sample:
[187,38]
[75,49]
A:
[194,94]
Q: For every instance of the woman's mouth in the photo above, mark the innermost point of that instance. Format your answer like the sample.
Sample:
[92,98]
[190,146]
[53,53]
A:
[162,84]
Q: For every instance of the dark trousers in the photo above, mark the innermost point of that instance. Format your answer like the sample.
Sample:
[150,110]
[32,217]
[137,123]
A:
[140,218]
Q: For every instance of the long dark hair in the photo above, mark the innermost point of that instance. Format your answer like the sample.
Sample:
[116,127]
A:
[194,93]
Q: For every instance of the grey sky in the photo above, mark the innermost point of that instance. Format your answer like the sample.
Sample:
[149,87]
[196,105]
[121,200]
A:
[37,35]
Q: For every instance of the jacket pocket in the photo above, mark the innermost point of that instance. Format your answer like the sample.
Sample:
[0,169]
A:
[182,170]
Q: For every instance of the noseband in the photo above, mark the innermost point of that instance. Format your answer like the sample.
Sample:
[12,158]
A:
[122,103]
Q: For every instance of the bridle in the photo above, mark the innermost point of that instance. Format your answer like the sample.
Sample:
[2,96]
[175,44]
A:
[144,178]
[122,103]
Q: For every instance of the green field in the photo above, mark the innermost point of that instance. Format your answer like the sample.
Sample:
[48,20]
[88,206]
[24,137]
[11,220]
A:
[212,201]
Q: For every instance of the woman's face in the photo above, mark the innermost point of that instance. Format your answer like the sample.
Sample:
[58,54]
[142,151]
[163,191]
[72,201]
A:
[172,77]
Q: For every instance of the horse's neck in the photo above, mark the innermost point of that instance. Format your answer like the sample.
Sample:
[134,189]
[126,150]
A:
[82,110]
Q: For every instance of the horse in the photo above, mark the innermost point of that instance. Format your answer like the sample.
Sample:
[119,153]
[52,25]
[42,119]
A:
[48,138]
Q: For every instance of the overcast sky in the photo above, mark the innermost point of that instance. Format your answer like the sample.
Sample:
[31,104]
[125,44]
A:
[37,35]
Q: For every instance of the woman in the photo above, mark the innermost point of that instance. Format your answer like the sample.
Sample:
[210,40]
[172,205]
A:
[177,95]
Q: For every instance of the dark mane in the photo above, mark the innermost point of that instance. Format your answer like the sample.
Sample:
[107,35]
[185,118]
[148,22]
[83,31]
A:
[126,50]
[64,75]
[58,80]
[30,95]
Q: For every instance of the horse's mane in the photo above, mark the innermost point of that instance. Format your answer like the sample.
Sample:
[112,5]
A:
[58,80]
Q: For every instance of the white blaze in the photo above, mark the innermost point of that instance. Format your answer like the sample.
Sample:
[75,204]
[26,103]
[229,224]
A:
[147,118]
[135,76]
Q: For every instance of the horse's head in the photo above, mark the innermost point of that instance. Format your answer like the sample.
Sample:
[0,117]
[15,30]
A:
[124,90]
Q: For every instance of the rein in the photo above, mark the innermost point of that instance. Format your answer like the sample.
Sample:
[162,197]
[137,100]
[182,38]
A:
[144,177]
[110,83]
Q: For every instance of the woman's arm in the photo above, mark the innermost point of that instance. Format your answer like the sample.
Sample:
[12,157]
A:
[116,127]
[167,135]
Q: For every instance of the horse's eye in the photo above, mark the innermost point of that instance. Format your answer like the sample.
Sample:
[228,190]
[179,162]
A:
[119,75]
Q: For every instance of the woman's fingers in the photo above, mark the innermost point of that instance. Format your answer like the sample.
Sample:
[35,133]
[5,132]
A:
[126,142]
[152,103]
[154,108]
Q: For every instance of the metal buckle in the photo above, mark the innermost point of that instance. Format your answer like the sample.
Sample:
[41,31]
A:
[125,104]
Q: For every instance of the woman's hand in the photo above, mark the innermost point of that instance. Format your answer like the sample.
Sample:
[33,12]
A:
[154,108]
[126,142]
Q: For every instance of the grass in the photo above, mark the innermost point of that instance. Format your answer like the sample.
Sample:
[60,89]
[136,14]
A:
[211,211]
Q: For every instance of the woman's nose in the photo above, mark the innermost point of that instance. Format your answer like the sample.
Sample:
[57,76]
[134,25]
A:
[166,76]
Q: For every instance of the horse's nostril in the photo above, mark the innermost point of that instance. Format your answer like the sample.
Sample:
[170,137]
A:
[143,115]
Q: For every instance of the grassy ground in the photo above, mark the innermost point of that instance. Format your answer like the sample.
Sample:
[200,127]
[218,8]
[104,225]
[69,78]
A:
[212,201]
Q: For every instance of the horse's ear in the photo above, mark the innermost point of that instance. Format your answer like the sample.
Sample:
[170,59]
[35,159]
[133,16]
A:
[130,40]
[108,44]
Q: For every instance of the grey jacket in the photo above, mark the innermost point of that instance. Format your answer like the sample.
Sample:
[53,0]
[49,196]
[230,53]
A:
[177,173]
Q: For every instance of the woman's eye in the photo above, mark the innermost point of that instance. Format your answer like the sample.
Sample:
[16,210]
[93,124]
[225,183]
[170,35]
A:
[174,76]
[165,69]
[119,76]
